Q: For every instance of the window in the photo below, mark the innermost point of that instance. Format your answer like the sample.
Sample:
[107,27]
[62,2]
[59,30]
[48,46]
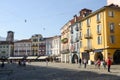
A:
[77,28]
[88,31]
[98,17]
[80,35]
[112,39]
[80,24]
[99,40]
[111,13]
[80,44]
[111,27]
[88,22]
[98,29]
[71,30]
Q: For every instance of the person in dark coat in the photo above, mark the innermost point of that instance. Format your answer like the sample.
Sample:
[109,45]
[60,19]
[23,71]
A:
[3,64]
[80,61]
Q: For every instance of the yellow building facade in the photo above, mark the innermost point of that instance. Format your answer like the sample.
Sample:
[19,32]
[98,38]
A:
[100,34]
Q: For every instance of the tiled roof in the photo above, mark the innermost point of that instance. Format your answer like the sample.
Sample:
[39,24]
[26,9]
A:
[24,40]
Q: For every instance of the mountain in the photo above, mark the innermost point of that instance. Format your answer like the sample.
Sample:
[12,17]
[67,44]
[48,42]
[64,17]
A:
[2,38]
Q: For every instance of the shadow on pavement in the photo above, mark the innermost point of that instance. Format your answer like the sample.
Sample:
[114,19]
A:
[48,73]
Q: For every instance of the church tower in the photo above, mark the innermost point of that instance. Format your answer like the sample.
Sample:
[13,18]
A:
[10,36]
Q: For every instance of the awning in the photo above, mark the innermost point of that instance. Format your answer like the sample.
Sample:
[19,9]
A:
[15,58]
[43,57]
[31,57]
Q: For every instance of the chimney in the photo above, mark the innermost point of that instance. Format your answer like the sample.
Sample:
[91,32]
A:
[85,12]
[75,18]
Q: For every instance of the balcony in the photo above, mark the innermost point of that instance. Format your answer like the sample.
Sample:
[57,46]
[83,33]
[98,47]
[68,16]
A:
[76,39]
[77,29]
[99,32]
[80,37]
[71,31]
[71,41]
[98,21]
[65,51]
[64,40]
[88,36]
[88,48]
[88,25]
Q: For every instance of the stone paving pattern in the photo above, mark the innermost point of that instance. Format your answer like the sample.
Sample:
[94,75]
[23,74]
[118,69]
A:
[57,71]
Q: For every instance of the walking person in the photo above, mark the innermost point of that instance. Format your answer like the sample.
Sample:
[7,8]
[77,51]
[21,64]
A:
[46,62]
[80,62]
[104,64]
[19,63]
[3,64]
[85,62]
[98,63]
[109,62]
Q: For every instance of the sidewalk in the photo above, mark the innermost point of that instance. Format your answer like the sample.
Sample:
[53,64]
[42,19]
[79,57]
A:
[115,69]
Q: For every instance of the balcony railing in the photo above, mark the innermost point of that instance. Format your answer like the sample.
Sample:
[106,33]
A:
[80,37]
[71,31]
[98,21]
[66,51]
[99,32]
[71,41]
[88,36]
[77,39]
[77,29]
[88,48]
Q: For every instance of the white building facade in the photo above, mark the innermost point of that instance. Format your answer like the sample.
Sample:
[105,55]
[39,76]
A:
[6,49]
[56,44]
[49,46]
[22,48]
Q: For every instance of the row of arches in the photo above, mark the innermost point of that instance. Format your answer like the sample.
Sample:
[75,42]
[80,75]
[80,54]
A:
[98,55]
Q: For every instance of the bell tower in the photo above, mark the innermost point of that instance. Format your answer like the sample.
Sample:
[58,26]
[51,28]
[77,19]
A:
[10,36]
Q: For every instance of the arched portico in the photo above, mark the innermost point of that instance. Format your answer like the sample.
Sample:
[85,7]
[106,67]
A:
[74,58]
[98,55]
[116,57]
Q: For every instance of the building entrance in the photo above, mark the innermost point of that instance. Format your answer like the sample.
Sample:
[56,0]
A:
[98,55]
[116,57]
[75,58]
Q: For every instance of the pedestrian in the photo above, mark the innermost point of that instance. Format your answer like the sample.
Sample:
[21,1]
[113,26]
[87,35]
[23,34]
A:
[104,64]
[19,62]
[98,63]
[24,63]
[80,62]
[2,65]
[46,62]
[85,62]
[109,62]
[95,63]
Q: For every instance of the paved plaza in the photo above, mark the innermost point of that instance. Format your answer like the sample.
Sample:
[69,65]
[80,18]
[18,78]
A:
[57,71]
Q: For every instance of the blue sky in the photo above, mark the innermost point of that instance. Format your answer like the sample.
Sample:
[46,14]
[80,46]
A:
[44,17]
